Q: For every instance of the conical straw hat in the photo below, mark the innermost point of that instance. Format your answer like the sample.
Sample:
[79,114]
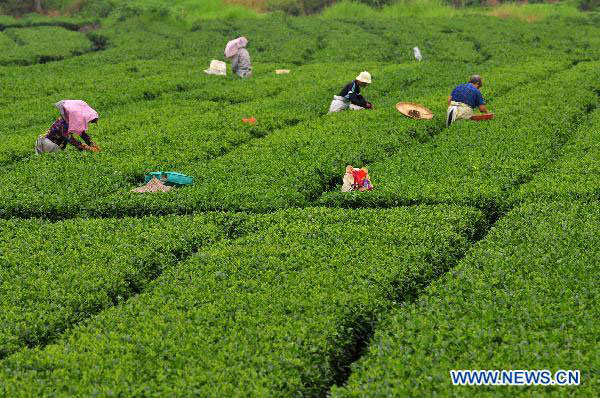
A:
[415,111]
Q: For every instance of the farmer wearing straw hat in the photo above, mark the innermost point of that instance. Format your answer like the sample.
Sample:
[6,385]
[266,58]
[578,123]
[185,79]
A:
[350,96]
[464,99]
[239,56]
[75,116]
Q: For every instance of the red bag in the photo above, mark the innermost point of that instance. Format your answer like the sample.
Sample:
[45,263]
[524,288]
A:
[359,175]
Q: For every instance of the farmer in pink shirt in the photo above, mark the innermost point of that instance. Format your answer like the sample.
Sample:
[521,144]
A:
[239,56]
[73,122]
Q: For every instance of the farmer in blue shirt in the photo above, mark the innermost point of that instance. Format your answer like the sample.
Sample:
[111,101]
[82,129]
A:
[464,99]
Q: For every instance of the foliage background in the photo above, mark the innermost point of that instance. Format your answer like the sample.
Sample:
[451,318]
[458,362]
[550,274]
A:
[292,7]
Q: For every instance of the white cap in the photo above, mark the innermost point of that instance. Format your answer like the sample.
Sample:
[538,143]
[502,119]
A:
[364,77]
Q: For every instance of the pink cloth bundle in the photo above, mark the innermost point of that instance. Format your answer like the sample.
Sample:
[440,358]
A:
[234,45]
[77,114]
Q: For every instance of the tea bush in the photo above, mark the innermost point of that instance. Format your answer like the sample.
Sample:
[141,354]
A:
[39,45]
[55,275]
[285,166]
[525,298]
[574,176]
[281,303]
[141,141]
[276,312]
[481,163]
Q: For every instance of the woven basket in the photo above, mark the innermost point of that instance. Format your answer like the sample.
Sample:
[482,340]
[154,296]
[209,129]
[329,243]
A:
[414,111]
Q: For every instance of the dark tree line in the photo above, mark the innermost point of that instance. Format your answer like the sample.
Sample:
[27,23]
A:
[21,6]
[307,7]
[300,7]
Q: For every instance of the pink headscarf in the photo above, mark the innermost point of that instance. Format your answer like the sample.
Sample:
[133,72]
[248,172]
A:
[234,45]
[77,114]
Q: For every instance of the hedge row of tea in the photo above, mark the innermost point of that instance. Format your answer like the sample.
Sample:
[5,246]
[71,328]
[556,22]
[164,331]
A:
[176,48]
[526,297]
[231,304]
[278,311]
[149,59]
[481,164]
[576,175]
[289,158]
[54,275]
[140,83]
[180,113]
[39,45]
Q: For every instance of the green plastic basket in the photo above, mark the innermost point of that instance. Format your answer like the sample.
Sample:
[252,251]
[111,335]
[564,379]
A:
[170,178]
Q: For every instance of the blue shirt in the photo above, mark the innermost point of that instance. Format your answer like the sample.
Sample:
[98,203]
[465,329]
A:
[468,94]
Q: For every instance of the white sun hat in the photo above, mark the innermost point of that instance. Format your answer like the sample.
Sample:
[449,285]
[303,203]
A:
[364,77]
[217,68]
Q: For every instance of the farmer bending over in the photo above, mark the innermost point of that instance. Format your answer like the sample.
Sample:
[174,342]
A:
[350,96]
[464,99]
[74,119]
[239,56]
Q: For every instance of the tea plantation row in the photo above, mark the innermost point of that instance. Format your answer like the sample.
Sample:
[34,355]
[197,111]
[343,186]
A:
[277,311]
[290,166]
[481,164]
[54,275]
[178,49]
[169,107]
[575,175]
[282,303]
[142,83]
[38,45]
[526,297]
